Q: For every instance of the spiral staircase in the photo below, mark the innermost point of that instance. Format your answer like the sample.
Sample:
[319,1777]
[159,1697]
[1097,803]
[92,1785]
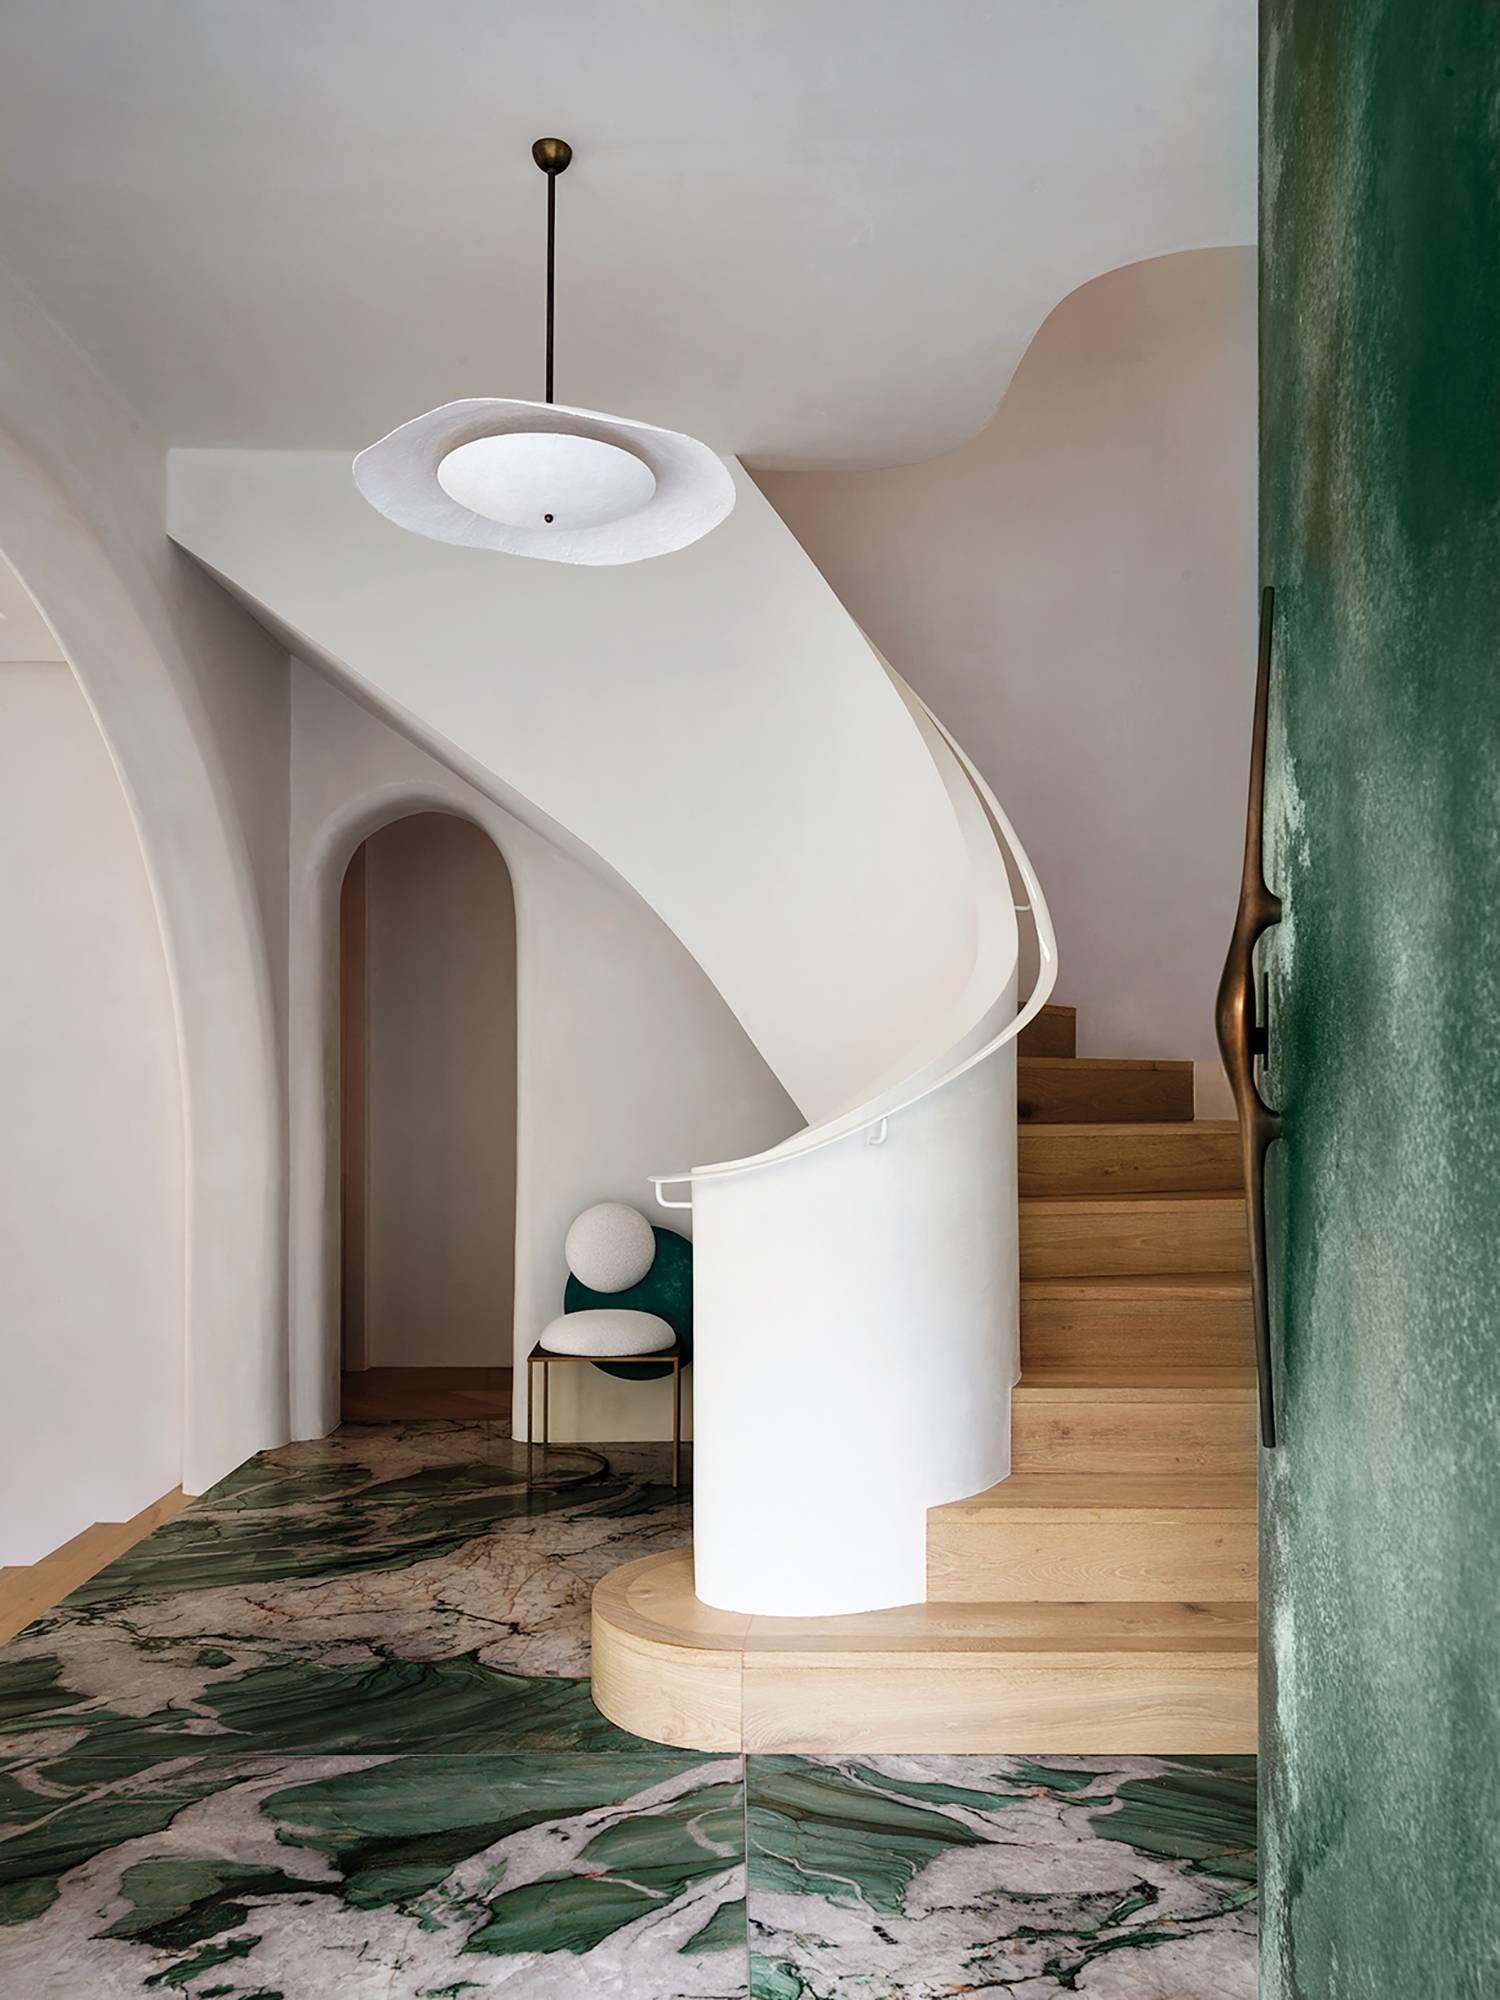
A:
[896,1544]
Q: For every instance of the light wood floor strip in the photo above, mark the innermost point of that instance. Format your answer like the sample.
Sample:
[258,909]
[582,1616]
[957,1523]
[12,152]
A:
[27,1590]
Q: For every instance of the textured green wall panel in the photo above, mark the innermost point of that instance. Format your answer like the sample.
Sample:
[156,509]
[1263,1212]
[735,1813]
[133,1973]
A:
[1381,530]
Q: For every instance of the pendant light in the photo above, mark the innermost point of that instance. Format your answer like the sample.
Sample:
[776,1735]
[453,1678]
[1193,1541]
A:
[543,479]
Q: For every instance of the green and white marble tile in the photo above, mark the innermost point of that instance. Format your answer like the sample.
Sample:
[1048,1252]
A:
[329,1734]
[409,1878]
[392,1588]
[910,1878]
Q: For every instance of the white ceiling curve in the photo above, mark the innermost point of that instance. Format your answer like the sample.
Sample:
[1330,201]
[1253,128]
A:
[816,233]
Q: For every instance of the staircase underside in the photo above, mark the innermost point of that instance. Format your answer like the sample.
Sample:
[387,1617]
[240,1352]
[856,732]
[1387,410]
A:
[1100,1599]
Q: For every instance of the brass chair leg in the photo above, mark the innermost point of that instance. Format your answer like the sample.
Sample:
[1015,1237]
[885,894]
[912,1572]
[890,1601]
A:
[530,1417]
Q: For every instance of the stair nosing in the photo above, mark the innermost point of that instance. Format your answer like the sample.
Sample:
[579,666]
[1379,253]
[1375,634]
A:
[1090,1492]
[1143,1064]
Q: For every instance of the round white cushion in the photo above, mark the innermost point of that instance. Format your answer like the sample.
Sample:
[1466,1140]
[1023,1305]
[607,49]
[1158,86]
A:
[610,1247]
[607,1331]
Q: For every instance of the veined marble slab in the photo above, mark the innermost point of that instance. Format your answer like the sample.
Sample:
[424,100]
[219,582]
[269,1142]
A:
[552,1877]
[911,1878]
[328,1736]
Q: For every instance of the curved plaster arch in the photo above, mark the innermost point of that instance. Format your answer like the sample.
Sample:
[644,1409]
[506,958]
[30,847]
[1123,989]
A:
[313,1064]
[234,1390]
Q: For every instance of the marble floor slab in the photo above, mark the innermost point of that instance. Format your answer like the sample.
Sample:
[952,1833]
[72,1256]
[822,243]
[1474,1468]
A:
[388,1588]
[327,1735]
[404,1877]
[877,1877]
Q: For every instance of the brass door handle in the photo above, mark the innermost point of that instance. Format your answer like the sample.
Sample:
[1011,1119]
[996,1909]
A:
[1241,1036]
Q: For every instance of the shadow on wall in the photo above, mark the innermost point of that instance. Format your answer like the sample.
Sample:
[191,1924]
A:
[1074,593]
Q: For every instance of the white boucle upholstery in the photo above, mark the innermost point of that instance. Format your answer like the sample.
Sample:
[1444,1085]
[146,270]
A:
[609,1247]
[607,1331]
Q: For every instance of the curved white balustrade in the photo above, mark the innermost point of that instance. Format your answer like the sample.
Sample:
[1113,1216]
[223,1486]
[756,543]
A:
[856,1320]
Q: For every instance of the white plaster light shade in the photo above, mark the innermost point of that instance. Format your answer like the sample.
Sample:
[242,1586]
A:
[541,479]
[610,1247]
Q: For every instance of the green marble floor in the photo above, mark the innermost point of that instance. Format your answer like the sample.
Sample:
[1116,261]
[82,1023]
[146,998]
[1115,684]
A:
[328,1733]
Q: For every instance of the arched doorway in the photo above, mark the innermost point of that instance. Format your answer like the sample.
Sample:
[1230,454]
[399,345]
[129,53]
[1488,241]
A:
[427,1090]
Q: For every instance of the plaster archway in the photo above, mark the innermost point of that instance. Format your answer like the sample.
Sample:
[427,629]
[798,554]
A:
[313,1031]
[234,1399]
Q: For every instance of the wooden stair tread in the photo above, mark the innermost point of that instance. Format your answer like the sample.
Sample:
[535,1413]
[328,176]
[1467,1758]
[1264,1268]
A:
[1115,1130]
[1073,1065]
[1128,1384]
[1137,1286]
[653,1598]
[1150,1200]
[1160,1496]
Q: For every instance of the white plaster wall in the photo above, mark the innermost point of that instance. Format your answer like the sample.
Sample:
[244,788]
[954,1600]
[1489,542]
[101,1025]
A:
[628,1061]
[1075,595]
[710,727]
[191,698]
[440,1151]
[91,1209]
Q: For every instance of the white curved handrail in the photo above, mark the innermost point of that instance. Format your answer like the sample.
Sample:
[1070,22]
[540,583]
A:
[876,1122]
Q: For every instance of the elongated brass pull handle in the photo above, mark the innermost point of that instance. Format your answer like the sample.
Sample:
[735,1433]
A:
[1241,1037]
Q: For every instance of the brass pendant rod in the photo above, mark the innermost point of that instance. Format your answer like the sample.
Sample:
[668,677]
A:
[552,156]
[551,272]
[1241,1037]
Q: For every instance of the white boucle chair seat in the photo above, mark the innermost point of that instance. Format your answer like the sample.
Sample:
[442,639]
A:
[607,1330]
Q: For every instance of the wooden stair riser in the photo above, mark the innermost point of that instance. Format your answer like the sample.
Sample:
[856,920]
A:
[1081,1091]
[1084,1704]
[1149,1677]
[1071,1324]
[1195,1556]
[1054,1032]
[1182,1158]
[1086,1237]
[1196,1431]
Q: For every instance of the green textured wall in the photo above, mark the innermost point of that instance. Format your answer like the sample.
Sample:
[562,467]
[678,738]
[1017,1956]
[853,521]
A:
[1381,530]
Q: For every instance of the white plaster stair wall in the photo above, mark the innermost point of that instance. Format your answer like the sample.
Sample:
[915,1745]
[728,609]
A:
[710,726]
[857,1292]
[859,1372]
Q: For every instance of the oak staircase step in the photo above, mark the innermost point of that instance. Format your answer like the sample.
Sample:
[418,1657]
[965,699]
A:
[1158,1320]
[1054,1032]
[1170,1157]
[1144,1422]
[1040,1537]
[1083,1089]
[1082,1236]
[1100,1599]
[1121,1677]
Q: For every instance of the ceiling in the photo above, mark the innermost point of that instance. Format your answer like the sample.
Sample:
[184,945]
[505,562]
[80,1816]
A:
[815,232]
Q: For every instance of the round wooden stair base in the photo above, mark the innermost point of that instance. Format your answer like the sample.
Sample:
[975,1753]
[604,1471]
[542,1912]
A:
[1119,1678]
